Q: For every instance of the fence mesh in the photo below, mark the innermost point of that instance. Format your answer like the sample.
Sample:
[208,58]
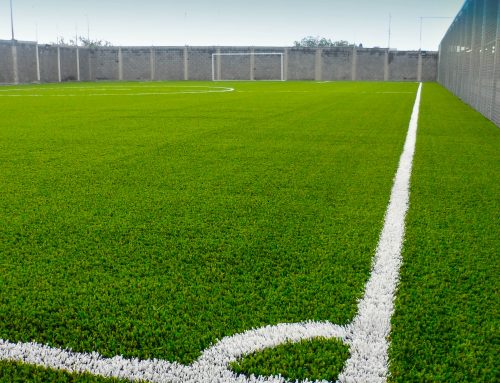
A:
[469,62]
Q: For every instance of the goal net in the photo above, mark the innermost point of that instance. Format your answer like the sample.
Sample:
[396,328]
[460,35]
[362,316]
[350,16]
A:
[247,66]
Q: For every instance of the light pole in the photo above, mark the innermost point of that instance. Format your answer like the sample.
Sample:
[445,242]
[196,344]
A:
[389,36]
[11,20]
[88,28]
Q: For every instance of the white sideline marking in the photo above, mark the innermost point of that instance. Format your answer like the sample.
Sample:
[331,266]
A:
[274,91]
[368,332]
[201,90]
[29,89]
[367,335]
[387,92]
[90,87]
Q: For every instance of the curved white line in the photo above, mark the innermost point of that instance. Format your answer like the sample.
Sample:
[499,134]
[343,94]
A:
[229,349]
[212,366]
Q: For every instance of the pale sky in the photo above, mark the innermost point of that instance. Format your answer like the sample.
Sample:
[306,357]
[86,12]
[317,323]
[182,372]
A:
[231,22]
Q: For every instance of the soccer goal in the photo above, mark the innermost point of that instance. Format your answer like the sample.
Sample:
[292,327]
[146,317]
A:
[248,66]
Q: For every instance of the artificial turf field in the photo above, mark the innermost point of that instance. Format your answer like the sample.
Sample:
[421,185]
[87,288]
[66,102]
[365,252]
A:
[150,220]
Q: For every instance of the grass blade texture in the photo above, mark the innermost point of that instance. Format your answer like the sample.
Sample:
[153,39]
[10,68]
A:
[445,328]
[152,225]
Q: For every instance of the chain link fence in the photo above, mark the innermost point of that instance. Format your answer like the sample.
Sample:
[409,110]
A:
[469,62]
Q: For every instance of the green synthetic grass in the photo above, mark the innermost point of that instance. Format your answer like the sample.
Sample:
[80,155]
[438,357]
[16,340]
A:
[317,359]
[22,373]
[151,226]
[446,324]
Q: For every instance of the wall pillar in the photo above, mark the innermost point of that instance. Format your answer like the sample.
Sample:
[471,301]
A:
[419,67]
[90,64]
[152,63]
[386,66]
[252,64]
[219,65]
[59,77]
[15,68]
[285,64]
[318,65]
[78,78]
[354,68]
[120,64]
[37,52]
[186,63]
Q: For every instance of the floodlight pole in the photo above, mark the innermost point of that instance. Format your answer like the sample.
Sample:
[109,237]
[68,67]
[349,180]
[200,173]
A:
[389,37]
[11,20]
[420,39]
[88,28]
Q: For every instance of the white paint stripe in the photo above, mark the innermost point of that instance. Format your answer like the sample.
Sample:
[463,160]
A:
[369,331]
[367,335]
[386,92]
[212,366]
[275,91]
[229,349]
[39,88]
[118,367]
[212,90]
[92,88]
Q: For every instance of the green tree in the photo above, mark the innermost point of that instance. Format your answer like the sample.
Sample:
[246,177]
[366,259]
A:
[88,43]
[83,42]
[320,42]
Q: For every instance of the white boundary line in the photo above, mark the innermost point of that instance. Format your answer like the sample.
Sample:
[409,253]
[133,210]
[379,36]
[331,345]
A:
[112,87]
[30,89]
[211,367]
[274,91]
[369,331]
[367,335]
[201,90]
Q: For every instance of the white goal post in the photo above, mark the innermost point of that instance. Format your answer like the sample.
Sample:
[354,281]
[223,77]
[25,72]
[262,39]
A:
[248,66]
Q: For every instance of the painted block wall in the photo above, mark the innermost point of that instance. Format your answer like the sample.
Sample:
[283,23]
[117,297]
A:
[195,63]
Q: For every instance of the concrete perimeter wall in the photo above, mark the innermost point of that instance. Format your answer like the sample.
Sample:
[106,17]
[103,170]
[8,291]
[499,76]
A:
[25,62]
